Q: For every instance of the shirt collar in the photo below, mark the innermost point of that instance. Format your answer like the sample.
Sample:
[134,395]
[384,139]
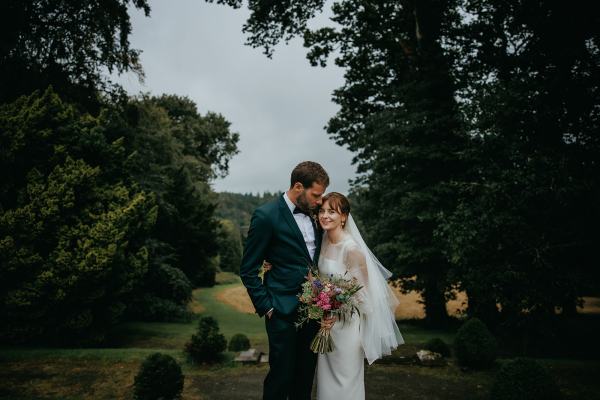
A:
[289,203]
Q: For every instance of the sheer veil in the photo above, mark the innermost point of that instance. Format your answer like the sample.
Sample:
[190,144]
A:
[379,332]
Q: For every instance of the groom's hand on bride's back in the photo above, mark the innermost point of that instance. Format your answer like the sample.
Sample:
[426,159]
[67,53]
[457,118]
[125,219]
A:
[266,266]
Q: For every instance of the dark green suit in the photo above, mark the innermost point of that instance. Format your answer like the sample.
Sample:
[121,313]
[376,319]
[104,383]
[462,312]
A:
[274,236]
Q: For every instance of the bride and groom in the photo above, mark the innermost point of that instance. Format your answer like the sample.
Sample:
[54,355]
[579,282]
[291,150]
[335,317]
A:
[300,229]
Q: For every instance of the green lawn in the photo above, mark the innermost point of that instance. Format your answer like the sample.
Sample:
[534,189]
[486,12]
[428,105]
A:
[230,320]
[107,373]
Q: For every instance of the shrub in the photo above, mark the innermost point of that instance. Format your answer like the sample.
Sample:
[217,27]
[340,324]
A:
[474,345]
[437,345]
[207,344]
[239,342]
[159,378]
[152,308]
[171,283]
[524,379]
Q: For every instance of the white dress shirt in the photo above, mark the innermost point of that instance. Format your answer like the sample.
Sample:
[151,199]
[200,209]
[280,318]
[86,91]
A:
[306,227]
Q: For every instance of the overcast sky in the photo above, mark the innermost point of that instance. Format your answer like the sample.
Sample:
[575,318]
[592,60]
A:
[279,106]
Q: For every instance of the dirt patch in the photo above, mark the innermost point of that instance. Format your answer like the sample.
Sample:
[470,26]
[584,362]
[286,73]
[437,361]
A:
[409,308]
[237,297]
[591,305]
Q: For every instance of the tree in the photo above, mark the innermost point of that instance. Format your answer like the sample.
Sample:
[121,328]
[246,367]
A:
[524,232]
[175,151]
[71,236]
[230,246]
[65,44]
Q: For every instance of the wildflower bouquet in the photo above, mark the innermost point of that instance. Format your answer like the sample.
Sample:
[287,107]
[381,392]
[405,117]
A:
[323,296]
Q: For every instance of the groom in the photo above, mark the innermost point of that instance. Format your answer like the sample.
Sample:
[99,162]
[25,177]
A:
[283,233]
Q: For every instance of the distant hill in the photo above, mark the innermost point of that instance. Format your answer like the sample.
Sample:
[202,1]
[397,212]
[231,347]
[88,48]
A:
[238,207]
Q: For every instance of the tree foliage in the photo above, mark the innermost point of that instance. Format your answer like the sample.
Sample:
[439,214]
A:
[238,207]
[106,210]
[69,233]
[230,246]
[174,153]
[67,44]
[523,233]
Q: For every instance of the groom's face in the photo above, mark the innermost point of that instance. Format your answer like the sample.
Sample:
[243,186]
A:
[310,198]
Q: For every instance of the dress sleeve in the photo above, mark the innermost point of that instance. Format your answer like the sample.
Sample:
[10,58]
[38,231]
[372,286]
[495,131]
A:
[356,263]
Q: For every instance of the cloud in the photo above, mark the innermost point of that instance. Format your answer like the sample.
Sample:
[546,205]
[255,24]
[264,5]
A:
[278,106]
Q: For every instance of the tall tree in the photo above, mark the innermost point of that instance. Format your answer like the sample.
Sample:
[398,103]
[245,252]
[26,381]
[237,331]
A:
[525,230]
[71,233]
[175,153]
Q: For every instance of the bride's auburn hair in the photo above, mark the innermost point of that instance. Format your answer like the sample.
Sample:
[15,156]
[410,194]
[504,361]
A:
[338,202]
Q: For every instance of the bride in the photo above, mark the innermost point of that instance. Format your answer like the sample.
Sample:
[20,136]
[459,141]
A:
[373,333]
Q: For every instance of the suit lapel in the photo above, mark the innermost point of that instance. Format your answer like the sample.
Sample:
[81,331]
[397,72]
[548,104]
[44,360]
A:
[318,239]
[289,218]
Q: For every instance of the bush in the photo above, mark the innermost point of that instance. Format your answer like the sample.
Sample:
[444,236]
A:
[207,344]
[524,379]
[239,342]
[437,345]
[159,378]
[152,308]
[474,345]
[171,283]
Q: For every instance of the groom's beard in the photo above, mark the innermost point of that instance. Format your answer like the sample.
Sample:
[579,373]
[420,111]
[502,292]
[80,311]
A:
[303,203]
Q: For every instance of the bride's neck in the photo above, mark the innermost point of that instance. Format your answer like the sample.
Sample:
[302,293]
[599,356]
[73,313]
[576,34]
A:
[335,235]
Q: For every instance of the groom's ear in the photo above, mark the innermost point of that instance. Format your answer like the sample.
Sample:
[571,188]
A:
[298,187]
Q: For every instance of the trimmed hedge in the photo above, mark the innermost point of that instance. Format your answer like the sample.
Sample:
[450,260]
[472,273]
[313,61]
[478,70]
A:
[159,378]
[474,345]
[524,379]
[239,342]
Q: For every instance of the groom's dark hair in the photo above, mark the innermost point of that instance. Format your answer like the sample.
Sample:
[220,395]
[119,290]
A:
[308,172]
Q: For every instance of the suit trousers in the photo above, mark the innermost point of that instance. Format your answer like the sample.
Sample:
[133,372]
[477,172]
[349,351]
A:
[291,361]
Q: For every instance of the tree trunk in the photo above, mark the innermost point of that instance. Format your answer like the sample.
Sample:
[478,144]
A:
[434,298]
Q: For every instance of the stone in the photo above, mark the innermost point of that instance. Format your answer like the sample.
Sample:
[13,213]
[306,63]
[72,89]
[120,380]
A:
[430,358]
[249,356]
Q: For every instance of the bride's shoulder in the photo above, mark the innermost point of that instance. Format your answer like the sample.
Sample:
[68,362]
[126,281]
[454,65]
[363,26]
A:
[350,246]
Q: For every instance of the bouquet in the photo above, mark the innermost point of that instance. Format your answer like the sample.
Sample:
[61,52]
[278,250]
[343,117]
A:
[327,296]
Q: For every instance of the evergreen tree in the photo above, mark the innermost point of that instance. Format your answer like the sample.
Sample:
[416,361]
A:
[71,236]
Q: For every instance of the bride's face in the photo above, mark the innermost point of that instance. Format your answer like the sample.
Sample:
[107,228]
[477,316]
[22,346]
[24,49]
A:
[330,218]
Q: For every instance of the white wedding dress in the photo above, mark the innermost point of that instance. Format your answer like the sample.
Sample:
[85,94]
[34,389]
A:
[370,335]
[340,373]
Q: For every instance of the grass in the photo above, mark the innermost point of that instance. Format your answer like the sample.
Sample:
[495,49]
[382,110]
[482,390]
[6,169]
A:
[230,320]
[107,373]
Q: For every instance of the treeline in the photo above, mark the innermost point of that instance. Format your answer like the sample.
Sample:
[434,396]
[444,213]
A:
[106,210]
[476,129]
[238,207]
[235,211]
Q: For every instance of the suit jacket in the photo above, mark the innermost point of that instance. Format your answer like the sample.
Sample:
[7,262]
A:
[274,236]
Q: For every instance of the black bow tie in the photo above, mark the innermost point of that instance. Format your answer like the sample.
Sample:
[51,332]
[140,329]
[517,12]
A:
[298,210]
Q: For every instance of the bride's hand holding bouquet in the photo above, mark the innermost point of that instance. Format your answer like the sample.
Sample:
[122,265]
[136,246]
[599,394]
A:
[327,299]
